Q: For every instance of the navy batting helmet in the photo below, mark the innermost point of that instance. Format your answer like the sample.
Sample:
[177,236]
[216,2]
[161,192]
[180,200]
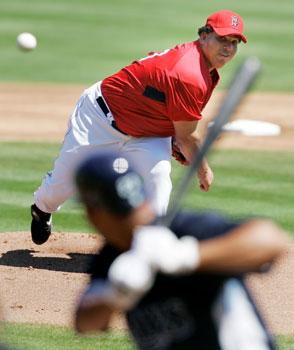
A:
[109,180]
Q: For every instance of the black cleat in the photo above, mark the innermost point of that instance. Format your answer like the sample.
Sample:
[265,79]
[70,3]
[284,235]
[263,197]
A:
[41,225]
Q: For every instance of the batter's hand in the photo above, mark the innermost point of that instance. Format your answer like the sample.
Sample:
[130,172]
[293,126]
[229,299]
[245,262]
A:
[164,251]
[130,277]
[205,177]
[154,249]
[177,154]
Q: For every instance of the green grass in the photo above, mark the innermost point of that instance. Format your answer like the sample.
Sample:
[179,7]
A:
[83,41]
[23,166]
[246,183]
[32,337]
[249,183]
[285,342]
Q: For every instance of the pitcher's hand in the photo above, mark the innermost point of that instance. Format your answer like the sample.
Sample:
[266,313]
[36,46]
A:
[205,177]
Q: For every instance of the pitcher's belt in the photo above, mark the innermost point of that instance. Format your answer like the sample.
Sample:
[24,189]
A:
[107,113]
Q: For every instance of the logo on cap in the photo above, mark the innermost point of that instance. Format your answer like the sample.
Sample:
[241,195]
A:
[129,187]
[234,21]
[120,165]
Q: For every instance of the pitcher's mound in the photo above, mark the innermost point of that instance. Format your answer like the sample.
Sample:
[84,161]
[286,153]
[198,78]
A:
[42,284]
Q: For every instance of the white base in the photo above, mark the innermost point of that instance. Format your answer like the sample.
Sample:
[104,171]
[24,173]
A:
[250,127]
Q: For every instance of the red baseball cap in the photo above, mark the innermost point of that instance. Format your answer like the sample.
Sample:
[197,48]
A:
[226,22]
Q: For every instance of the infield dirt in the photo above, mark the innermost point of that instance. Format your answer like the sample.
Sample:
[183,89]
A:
[41,284]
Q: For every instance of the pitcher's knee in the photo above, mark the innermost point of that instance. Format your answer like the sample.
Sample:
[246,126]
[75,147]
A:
[160,187]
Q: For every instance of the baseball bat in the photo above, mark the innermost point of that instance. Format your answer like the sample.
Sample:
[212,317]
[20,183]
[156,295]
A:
[241,82]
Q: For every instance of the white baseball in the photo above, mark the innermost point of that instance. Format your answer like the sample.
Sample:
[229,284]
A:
[26,41]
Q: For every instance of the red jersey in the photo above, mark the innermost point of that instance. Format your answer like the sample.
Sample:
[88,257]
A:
[148,95]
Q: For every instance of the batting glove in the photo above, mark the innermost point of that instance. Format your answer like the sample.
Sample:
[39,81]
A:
[130,277]
[164,251]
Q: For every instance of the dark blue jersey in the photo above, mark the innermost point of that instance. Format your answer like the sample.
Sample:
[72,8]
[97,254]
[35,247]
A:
[199,225]
[182,312]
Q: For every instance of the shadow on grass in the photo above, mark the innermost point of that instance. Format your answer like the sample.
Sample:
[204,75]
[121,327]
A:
[71,262]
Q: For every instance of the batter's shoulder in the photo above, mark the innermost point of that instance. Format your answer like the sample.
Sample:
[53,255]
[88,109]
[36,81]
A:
[201,225]
[102,260]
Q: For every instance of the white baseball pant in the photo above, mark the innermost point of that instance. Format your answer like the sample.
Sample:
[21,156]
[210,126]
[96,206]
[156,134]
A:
[89,130]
